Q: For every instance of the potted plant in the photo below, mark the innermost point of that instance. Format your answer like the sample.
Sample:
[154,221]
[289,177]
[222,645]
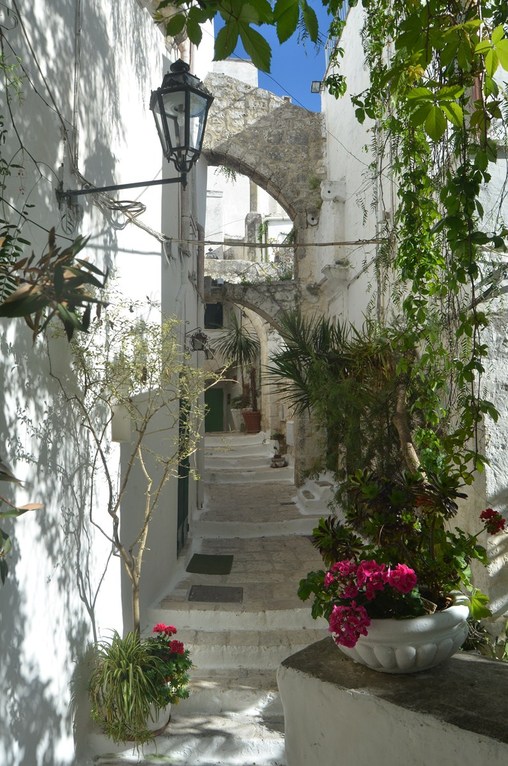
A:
[240,348]
[395,567]
[134,679]
[401,457]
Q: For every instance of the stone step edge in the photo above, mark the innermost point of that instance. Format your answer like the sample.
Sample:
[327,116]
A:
[188,618]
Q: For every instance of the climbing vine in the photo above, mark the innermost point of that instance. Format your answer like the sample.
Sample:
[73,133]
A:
[436,99]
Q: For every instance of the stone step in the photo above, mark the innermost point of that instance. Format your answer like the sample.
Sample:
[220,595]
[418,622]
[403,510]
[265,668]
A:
[314,496]
[302,525]
[228,617]
[233,440]
[246,648]
[250,475]
[224,740]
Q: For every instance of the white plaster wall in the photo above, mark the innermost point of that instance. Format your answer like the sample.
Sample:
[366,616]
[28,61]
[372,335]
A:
[326,724]
[118,57]
[346,213]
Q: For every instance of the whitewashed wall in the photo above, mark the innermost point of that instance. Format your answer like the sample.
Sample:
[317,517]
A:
[87,68]
[339,276]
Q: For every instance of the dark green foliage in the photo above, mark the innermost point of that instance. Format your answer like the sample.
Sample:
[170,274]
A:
[57,284]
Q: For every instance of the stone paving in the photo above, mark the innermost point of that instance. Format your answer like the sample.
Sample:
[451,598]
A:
[234,715]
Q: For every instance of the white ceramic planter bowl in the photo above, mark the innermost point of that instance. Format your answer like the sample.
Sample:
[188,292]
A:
[408,646]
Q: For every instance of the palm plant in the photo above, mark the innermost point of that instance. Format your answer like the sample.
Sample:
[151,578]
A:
[240,348]
[348,380]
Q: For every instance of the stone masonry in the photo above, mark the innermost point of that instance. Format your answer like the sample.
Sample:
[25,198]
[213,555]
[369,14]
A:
[265,137]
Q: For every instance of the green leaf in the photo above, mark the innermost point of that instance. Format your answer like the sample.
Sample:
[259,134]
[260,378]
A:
[497,34]
[491,62]
[501,49]
[483,46]
[453,113]
[257,47]
[450,92]
[194,29]
[435,124]
[419,116]
[420,93]
[226,40]
[175,25]
[310,20]
[286,14]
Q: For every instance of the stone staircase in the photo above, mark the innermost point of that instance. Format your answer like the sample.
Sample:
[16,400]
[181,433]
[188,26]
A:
[233,716]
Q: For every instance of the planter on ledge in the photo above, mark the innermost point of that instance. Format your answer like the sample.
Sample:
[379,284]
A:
[411,645]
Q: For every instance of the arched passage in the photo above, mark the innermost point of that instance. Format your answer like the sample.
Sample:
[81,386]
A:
[277,145]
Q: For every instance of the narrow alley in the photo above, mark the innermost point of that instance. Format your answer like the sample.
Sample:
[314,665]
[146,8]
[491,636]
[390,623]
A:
[239,624]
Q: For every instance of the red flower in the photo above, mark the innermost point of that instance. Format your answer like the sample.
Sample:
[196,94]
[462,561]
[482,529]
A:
[168,630]
[493,521]
[176,647]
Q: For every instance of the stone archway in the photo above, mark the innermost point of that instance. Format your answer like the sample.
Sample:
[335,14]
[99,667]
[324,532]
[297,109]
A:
[277,145]
[280,147]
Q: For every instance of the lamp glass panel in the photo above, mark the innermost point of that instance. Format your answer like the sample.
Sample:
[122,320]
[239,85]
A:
[159,124]
[198,112]
[174,108]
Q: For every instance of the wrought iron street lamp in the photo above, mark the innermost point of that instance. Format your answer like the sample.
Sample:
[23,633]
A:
[180,107]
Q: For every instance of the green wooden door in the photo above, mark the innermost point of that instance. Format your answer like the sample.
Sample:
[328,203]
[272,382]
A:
[214,418]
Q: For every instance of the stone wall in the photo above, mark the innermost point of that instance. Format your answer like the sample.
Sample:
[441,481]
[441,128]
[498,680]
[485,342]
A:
[265,137]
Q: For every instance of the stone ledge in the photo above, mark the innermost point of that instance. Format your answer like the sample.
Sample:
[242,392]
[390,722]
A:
[338,711]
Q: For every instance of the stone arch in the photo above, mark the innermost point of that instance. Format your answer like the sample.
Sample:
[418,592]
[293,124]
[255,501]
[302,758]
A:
[268,300]
[268,139]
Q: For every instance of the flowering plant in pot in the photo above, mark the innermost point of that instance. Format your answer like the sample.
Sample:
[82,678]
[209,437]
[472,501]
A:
[134,678]
[395,555]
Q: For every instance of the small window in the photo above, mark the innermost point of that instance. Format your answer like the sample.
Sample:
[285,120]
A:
[213,316]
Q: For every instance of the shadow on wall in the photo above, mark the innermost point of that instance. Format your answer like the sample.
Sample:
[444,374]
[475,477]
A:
[44,625]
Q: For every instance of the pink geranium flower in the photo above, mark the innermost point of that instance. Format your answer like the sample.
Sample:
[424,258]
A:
[371,576]
[167,630]
[402,578]
[348,623]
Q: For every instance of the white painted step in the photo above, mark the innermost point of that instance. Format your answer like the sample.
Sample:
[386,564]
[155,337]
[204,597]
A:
[237,462]
[246,648]
[224,617]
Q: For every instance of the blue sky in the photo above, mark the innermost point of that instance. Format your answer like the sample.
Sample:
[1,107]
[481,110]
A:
[295,64]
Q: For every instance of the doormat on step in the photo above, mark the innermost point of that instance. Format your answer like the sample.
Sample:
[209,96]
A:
[209,564]
[216,594]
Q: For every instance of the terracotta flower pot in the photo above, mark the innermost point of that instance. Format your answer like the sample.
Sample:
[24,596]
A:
[252,420]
